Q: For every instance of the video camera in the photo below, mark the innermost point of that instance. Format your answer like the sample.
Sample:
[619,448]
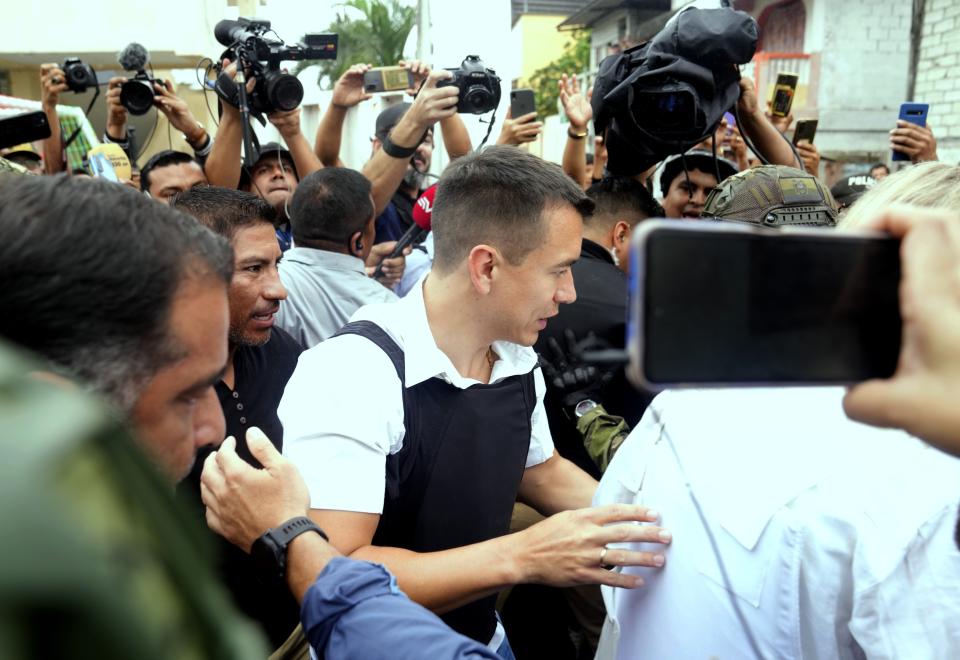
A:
[479,86]
[261,57]
[664,96]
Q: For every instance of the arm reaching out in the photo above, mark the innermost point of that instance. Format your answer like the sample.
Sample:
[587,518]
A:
[922,395]
[347,92]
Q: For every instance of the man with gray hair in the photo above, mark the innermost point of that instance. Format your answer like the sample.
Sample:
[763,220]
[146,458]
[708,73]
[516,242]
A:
[425,481]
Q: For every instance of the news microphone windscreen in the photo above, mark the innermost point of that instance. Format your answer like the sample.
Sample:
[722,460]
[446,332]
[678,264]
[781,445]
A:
[225,30]
[423,209]
[134,57]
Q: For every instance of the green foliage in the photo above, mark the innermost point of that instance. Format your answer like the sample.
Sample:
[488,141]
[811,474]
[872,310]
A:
[377,38]
[545,81]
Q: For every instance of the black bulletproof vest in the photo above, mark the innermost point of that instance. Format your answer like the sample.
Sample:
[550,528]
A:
[455,480]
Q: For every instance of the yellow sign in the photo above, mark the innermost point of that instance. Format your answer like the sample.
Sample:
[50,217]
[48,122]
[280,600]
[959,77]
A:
[117,157]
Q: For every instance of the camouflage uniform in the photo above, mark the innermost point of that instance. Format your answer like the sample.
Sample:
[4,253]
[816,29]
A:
[96,558]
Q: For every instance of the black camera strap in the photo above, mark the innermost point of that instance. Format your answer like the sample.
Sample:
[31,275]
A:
[76,131]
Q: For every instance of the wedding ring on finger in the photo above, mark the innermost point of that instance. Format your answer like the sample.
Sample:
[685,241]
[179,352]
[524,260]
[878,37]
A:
[603,555]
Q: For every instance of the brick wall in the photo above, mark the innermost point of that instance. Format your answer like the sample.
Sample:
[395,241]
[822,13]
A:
[864,73]
[938,74]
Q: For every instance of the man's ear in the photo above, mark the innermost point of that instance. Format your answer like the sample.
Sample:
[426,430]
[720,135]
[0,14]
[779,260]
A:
[356,244]
[482,263]
[621,233]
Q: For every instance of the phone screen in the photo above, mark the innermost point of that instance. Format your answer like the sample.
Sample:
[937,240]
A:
[767,307]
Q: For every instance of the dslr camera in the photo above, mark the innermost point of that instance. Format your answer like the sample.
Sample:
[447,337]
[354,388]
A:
[261,56]
[137,93]
[79,76]
[479,86]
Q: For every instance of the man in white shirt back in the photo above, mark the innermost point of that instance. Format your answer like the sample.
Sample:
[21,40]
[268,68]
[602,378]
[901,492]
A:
[836,538]
[418,428]
[324,273]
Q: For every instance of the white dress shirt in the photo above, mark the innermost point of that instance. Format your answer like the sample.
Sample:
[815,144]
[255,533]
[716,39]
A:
[837,537]
[342,410]
[324,289]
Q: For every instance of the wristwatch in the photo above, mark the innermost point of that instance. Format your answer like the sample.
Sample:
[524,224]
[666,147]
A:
[584,407]
[269,552]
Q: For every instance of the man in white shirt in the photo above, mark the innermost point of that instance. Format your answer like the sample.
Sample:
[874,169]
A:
[324,273]
[835,538]
[420,424]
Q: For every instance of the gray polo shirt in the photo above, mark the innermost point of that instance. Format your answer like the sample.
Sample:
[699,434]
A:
[324,289]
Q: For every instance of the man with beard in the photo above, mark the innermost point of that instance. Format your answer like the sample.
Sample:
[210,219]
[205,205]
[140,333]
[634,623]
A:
[128,299]
[260,360]
[402,141]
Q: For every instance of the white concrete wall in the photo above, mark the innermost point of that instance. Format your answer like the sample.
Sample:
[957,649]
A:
[938,82]
[183,27]
[864,67]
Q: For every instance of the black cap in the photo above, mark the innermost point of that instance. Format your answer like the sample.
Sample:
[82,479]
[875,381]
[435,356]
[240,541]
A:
[849,189]
[268,149]
[388,118]
[696,159]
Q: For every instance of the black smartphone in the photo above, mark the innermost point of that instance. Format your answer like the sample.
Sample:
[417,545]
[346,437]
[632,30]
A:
[783,92]
[522,102]
[806,130]
[721,303]
[387,79]
[26,127]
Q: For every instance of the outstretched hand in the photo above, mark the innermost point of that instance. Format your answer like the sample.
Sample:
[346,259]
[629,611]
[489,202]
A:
[244,502]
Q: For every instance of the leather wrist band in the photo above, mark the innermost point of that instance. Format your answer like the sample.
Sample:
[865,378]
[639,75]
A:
[576,136]
[396,151]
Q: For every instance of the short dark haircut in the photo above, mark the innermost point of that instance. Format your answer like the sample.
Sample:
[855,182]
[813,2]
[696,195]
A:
[498,197]
[331,205]
[90,271]
[223,210]
[163,159]
[876,165]
[621,198]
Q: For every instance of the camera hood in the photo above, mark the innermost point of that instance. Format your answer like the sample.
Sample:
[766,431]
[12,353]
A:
[662,97]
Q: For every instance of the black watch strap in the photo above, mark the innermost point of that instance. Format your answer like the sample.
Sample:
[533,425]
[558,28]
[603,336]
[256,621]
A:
[294,528]
[270,550]
[396,150]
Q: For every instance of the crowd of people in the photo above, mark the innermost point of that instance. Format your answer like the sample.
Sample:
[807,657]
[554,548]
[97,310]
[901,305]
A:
[245,416]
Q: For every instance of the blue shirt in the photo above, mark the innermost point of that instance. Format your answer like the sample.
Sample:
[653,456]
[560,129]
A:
[355,610]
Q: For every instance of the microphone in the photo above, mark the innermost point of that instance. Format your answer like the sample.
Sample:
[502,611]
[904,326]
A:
[422,214]
[229,32]
[134,57]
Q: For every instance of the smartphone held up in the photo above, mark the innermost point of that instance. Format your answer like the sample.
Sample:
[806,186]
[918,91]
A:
[729,304]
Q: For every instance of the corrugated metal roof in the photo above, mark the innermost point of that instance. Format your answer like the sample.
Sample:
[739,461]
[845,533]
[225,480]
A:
[598,9]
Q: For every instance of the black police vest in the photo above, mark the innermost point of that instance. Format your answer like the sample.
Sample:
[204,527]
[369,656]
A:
[455,480]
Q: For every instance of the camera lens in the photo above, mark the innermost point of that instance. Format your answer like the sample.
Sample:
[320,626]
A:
[284,92]
[478,100]
[137,96]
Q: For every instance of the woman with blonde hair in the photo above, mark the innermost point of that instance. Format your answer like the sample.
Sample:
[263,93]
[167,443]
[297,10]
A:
[932,185]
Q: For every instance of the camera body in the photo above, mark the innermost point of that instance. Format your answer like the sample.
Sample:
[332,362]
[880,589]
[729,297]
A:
[479,86]
[79,76]
[137,93]
[261,57]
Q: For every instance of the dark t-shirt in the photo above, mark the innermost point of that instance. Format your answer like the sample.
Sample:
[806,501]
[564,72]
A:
[260,376]
[601,307]
[396,218]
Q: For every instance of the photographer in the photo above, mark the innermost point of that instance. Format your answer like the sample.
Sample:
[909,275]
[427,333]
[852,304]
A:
[224,163]
[173,107]
[397,180]
[52,83]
